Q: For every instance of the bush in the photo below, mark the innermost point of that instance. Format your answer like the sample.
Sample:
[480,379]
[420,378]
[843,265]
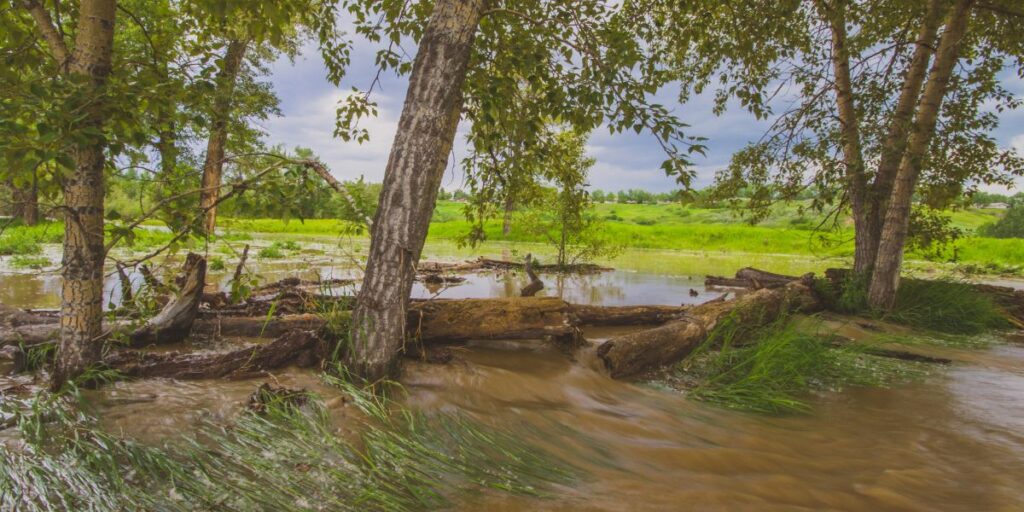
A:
[19,244]
[1010,226]
[271,252]
[646,222]
[217,263]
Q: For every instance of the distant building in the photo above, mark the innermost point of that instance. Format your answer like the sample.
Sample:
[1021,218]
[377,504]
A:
[997,206]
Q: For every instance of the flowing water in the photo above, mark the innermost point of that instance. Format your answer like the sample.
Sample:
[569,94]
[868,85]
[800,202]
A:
[954,441]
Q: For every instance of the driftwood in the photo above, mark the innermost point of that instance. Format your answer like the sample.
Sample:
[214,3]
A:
[755,279]
[625,315]
[126,284]
[462,319]
[241,264]
[481,264]
[301,348]
[536,284]
[636,353]
[174,322]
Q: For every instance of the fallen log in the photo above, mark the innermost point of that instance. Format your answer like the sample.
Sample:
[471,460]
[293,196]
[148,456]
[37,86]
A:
[255,327]
[482,263]
[174,321]
[625,315]
[300,348]
[433,320]
[636,353]
[755,279]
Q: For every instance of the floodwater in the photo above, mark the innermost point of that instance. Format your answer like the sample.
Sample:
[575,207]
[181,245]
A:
[954,441]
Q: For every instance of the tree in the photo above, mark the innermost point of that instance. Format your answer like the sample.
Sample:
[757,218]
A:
[584,67]
[87,64]
[1011,225]
[885,133]
[562,213]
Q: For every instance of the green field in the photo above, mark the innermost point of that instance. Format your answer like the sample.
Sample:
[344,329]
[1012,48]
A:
[785,231]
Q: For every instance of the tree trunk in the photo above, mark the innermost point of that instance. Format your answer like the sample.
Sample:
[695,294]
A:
[856,179]
[166,145]
[426,131]
[82,289]
[885,278]
[895,142]
[215,146]
[506,223]
[26,202]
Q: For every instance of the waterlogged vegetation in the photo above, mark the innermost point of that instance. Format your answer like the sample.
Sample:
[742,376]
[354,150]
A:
[288,455]
[776,368]
[788,230]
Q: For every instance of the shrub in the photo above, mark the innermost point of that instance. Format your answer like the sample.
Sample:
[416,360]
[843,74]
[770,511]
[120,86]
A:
[271,252]
[1011,225]
[217,263]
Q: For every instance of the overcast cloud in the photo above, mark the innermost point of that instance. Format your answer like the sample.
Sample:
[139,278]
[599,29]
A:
[624,160]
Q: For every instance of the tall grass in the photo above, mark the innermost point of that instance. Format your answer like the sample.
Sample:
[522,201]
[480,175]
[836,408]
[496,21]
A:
[286,458]
[945,306]
[775,368]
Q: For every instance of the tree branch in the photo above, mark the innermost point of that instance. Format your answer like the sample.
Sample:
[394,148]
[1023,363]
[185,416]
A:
[49,32]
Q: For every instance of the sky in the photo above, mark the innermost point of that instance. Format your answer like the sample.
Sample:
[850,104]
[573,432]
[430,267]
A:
[624,161]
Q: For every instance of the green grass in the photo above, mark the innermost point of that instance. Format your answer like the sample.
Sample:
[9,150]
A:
[774,369]
[217,263]
[26,240]
[285,458]
[33,262]
[945,306]
[785,231]
[278,249]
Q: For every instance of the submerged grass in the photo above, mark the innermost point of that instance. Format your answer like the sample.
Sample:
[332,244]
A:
[287,458]
[775,367]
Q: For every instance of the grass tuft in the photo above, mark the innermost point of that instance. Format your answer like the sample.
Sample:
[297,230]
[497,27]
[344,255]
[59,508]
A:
[945,306]
[775,367]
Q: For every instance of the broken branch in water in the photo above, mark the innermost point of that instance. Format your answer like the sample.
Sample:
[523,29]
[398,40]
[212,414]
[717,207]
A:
[536,284]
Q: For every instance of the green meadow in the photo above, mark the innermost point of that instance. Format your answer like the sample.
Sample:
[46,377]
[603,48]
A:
[788,229]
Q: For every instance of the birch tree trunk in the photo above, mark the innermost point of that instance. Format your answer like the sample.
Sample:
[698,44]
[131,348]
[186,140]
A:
[885,278]
[82,289]
[850,133]
[895,143]
[426,132]
[213,166]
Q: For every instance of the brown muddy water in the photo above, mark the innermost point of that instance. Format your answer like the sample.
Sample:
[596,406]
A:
[954,441]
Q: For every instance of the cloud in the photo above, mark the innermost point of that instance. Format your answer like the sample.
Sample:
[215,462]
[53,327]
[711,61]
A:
[624,160]
[311,124]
